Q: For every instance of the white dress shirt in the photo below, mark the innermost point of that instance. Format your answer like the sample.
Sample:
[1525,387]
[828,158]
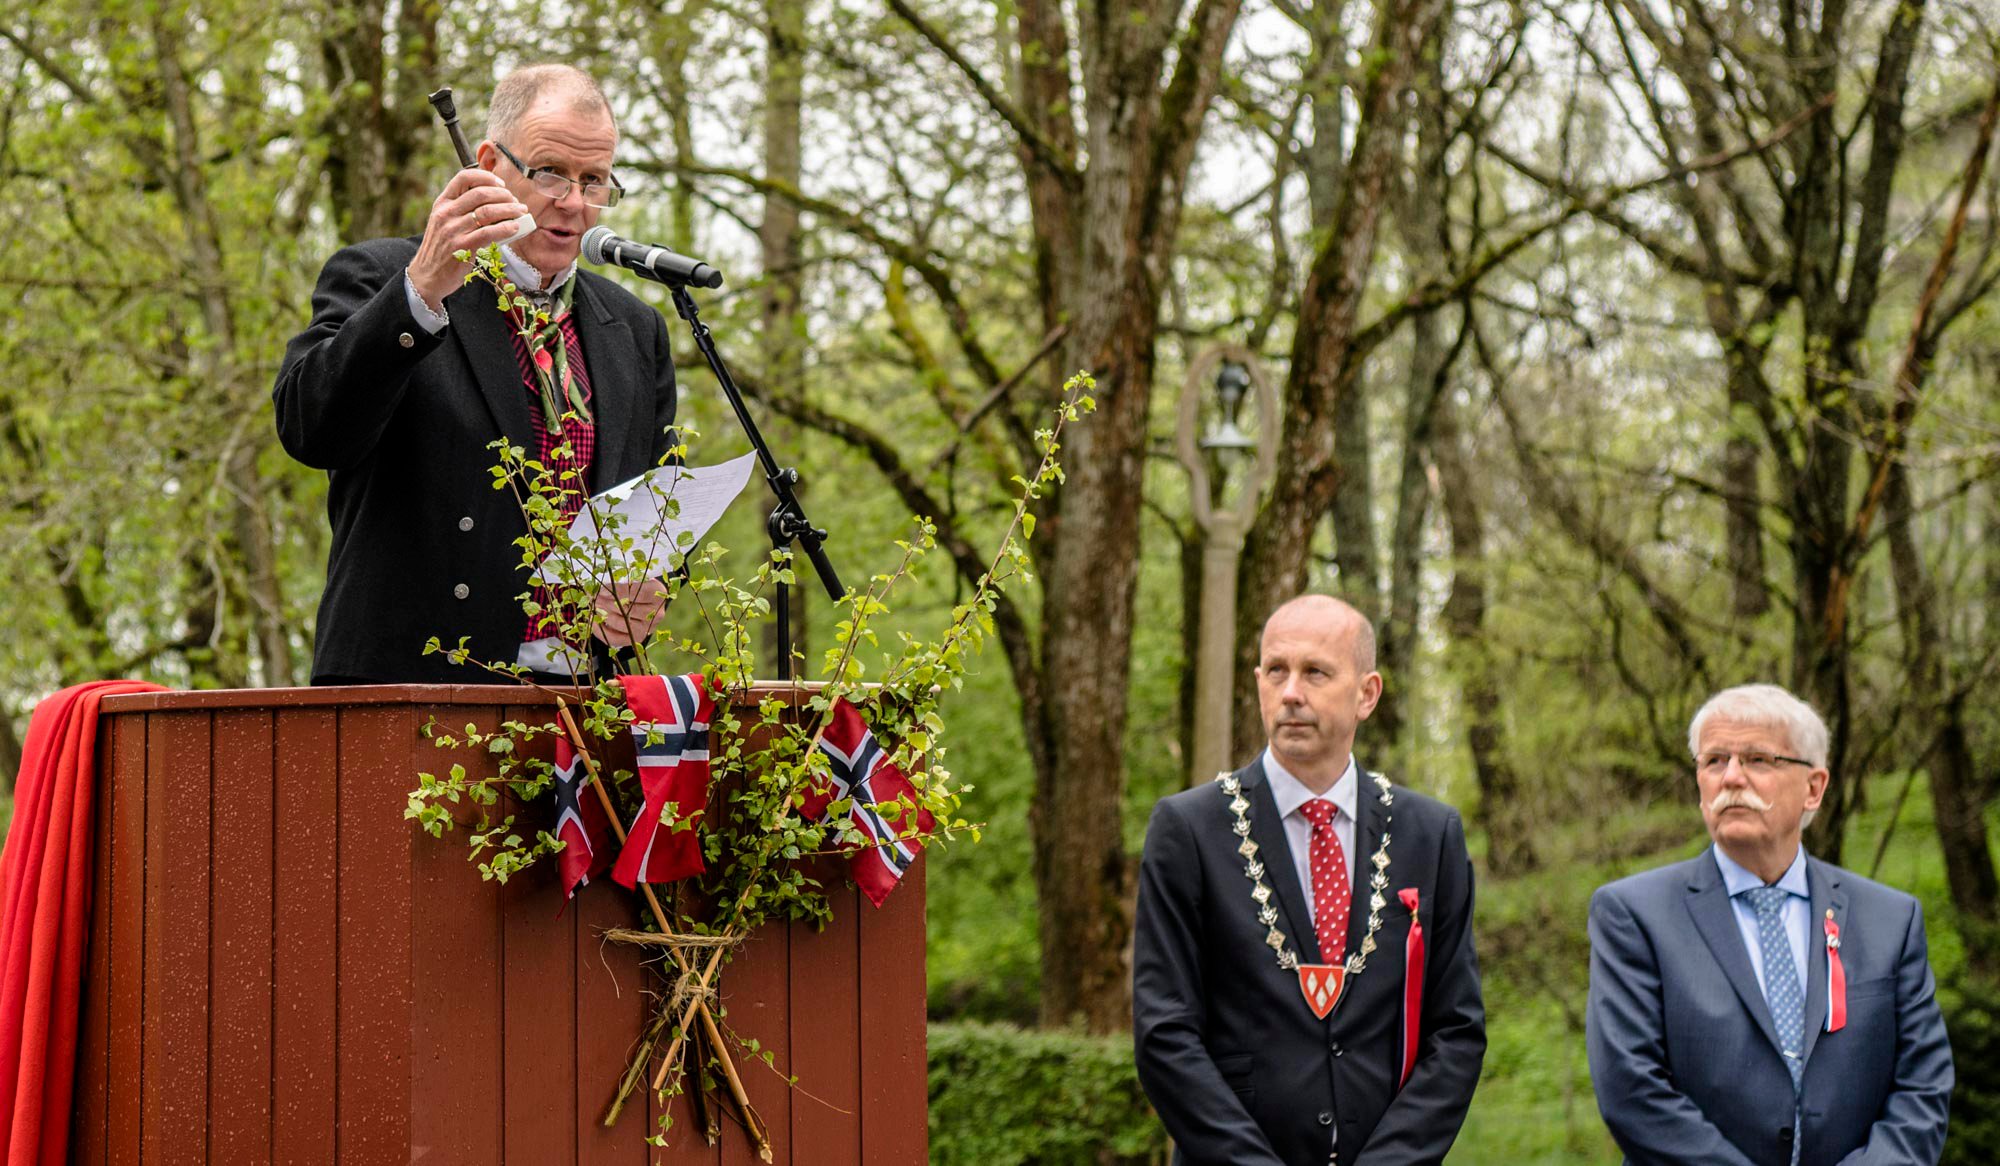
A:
[1290,793]
[1795,912]
[523,273]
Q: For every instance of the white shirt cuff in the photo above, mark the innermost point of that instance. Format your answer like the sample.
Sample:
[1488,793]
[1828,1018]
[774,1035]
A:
[430,320]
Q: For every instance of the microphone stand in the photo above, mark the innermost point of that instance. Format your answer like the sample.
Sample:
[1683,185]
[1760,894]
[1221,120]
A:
[787,522]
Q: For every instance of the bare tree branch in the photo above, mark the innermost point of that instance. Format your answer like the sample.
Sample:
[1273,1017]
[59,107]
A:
[1044,150]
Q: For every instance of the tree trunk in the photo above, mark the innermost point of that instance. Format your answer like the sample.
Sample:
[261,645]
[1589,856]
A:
[1958,795]
[1191,589]
[1743,524]
[1324,361]
[219,378]
[375,121]
[1420,213]
[779,245]
[1103,231]
[1509,835]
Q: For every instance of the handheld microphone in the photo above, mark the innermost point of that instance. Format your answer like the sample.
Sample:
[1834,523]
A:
[648,259]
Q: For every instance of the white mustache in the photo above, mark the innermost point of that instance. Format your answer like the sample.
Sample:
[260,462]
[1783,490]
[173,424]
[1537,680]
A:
[1731,798]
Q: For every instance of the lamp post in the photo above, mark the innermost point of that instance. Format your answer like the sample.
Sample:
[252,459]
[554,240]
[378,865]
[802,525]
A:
[1227,472]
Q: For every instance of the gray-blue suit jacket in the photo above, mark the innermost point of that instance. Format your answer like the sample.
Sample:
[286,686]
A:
[1683,1053]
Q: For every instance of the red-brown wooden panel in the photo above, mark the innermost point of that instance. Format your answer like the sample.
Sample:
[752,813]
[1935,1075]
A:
[177,906]
[537,970]
[455,1018]
[304,1016]
[87,1130]
[894,1089]
[125,994]
[373,1055]
[239,1083]
[826,1033]
[414,1012]
[757,1008]
[610,1011]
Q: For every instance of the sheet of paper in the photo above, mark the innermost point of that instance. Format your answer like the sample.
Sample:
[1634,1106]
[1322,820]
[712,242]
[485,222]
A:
[702,494]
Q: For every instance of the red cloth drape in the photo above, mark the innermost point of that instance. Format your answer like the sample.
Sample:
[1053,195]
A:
[45,876]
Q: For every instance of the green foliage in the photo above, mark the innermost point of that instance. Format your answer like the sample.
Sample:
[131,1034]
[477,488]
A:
[1004,1097]
[1974,1020]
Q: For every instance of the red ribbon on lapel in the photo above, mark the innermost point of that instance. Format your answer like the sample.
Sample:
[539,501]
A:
[1413,984]
[1836,979]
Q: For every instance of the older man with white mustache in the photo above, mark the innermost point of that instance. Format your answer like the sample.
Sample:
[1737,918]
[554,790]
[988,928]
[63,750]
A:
[1754,1004]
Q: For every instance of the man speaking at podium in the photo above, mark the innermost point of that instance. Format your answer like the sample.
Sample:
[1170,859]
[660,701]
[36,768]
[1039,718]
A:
[406,373]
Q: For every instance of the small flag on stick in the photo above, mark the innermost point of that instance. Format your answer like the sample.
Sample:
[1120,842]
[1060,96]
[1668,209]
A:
[581,823]
[861,771]
[670,716]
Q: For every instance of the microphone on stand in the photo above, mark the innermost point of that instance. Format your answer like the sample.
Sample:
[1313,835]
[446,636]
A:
[648,259]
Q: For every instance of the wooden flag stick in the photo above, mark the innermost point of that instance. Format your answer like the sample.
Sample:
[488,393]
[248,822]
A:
[700,1003]
[715,959]
[709,1119]
[611,814]
[687,1018]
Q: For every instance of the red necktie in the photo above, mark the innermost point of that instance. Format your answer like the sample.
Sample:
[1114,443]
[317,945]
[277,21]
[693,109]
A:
[1330,888]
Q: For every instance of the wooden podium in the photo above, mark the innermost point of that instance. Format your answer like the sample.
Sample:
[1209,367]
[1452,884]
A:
[282,969]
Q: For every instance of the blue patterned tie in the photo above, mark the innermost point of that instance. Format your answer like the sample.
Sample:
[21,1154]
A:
[1781,987]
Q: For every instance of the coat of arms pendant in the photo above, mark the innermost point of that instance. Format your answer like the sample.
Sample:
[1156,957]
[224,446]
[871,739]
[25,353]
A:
[1321,985]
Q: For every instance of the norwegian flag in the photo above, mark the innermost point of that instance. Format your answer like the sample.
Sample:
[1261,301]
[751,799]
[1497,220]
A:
[580,823]
[670,716]
[861,771]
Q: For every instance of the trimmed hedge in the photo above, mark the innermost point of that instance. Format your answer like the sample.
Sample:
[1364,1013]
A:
[1973,1138]
[1004,1097]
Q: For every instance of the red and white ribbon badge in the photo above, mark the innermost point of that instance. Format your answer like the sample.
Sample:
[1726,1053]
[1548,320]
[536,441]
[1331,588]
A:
[1413,984]
[1836,978]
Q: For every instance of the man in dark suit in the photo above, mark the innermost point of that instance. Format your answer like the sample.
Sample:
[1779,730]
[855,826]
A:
[406,373]
[1754,1004]
[1304,988]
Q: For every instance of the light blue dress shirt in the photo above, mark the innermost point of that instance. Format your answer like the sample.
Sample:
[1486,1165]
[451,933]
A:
[1797,910]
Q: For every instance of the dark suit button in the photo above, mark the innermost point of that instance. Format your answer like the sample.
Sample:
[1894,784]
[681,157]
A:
[461,591]
[1335,1047]
[407,340]
[1326,1117]
[1785,1135]
[465,523]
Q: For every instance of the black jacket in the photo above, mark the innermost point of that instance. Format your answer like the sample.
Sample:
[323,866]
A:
[1240,1070]
[422,542]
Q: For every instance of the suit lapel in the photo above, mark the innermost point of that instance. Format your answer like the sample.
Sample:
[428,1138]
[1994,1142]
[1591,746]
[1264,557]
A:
[1823,882]
[486,337]
[612,358]
[1368,826]
[1267,829]
[1715,919]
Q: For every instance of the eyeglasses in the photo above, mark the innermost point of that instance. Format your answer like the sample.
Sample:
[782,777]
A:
[556,185]
[1752,761]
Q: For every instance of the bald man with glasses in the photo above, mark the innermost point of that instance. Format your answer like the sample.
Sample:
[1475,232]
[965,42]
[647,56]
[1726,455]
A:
[407,373]
[1754,1005]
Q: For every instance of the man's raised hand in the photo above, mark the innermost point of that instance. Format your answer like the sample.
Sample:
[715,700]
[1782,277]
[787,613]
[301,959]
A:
[475,210]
